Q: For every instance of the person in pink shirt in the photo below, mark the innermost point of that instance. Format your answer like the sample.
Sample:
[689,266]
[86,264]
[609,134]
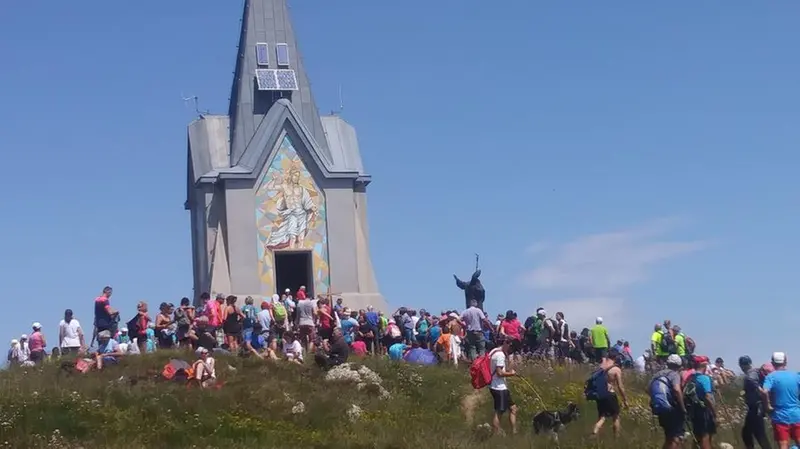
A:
[37,344]
[301,293]
[512,329]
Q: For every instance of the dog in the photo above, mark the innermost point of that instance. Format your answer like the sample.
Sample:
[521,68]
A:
[553,422]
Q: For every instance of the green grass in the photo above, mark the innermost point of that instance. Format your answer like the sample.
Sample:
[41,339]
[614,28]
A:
[41,408]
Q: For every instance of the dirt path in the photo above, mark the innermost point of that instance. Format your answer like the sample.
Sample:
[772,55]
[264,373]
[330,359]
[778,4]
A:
[470,403]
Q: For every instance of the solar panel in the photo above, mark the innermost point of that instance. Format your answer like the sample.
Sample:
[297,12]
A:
[287,79]
[262,53]
[282,51]
[266,79]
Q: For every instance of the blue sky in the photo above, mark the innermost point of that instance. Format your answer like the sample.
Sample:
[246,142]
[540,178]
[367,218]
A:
[635,161]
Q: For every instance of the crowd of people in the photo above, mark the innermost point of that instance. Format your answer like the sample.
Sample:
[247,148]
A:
[290,326]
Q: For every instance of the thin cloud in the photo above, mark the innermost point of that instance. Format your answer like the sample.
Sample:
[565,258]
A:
[583,311]
[606,264]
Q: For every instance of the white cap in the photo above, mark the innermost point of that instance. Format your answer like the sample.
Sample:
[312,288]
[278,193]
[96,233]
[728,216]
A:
[778,358]
[23,337]
[37,325]
[123,330]
[599,320]
[541,312]
[674,360]
[14,342]
[287,291]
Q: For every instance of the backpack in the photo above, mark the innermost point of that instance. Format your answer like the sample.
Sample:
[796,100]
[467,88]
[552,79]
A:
[690,345]
[661,400]
[596,386]
[249,312]
[668,345]
[181,318]
[480,372]
[134,330]
[279,312]
[422,326]
[690,397]
[394,331]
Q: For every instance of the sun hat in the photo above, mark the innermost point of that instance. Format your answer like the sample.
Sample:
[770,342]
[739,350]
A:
[37,325]
[23,337]
[674,360]
[779,358]
[104,334]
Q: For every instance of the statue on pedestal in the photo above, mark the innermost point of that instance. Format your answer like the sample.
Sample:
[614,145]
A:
[472,289]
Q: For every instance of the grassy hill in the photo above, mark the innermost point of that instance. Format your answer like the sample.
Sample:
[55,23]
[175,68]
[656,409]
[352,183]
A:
[276,405]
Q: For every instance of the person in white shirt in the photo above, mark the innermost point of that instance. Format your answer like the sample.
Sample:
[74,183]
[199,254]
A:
[292,349]
[498,388]
[70,334]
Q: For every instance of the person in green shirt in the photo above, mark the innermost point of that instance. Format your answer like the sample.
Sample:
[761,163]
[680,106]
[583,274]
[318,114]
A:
[680,341]
[599,339]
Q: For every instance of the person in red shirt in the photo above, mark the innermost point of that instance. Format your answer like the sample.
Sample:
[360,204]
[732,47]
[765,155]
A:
[105,317]
[325,319]
[511,328]
[301,293]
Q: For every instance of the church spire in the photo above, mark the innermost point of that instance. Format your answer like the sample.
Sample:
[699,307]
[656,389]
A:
[268,67]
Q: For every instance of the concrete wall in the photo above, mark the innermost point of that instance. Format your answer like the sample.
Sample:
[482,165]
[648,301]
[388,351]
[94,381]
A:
[341,239]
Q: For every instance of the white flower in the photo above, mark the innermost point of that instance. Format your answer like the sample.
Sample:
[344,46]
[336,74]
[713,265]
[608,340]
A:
[298,408]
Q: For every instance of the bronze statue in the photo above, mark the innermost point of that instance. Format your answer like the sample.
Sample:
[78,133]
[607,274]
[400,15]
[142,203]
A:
[473,289]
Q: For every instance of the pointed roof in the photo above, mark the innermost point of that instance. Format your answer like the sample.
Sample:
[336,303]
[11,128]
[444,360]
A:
[268,22]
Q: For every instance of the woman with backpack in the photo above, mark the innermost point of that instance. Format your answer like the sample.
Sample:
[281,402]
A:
[184,317]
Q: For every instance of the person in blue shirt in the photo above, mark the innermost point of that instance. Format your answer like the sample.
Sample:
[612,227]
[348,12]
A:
[396,351]
[108,350]
[349,324]
[781,395]
[703,414]
[434,332]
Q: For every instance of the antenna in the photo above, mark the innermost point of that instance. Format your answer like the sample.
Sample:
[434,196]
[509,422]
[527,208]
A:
[341,103]
[341,100]
[196,105]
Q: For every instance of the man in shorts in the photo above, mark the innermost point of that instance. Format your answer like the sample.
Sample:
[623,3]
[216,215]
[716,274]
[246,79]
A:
[498,388]
[781,395]
[608,404]
[672,420]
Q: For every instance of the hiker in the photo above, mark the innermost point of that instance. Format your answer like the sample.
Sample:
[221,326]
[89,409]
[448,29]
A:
[325,319]
[720,374]
[475,320]
[533,329]
[599,340]
[203,368]
[699,396]
[70,335]
[511,329]
[561,338]
[306,321]
[334,351]
[666,402]
[292,349]
[374,321]
[500,369]
[23,354]
[164,326]
[184,317]
[753,429]
[603,387]
[232,318]
[37,344]
[105,317]
[108,350]
[780,394]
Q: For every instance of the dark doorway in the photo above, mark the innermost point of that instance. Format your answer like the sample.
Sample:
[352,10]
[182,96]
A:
[293,269]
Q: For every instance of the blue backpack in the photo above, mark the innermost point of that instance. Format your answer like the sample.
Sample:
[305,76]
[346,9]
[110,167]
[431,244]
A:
[249,312]
[596,386]
[661,400]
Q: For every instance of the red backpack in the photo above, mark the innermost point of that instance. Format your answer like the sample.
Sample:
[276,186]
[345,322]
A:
[480,371]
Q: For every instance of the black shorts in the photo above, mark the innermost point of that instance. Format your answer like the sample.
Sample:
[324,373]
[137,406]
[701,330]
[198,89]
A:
[673,424]
[600,353]
[703,423]
[608,407]
[502,400]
